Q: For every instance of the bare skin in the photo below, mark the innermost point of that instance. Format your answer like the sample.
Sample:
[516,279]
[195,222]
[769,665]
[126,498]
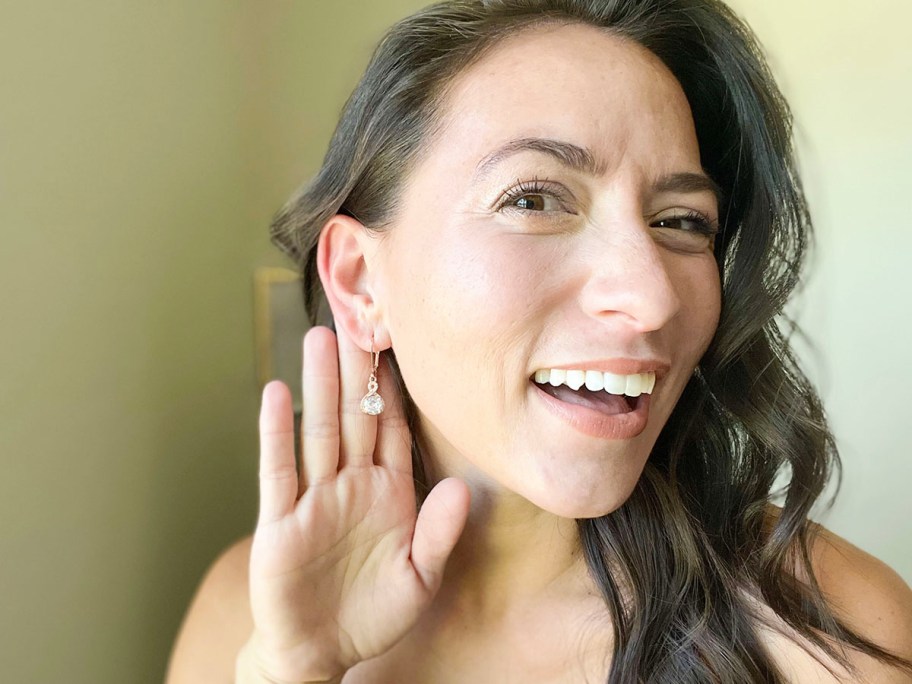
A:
[873,598]
[344,577]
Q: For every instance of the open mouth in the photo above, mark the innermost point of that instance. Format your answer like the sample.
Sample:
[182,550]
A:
[607,393]
[597,400]
[604,405]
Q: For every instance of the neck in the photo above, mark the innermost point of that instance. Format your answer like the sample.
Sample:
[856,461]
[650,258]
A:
[511,555]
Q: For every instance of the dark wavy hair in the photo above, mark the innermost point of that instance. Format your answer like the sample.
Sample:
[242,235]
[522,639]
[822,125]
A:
[684,562]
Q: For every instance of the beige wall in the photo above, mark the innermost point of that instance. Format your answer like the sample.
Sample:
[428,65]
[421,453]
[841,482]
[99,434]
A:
[143,147]
[847,71]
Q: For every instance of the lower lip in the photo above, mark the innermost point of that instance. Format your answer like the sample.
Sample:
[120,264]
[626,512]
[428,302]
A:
[595,424]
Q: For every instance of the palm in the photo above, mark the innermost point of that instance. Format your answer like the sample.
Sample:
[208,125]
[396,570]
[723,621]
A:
[344,553]
[342,566]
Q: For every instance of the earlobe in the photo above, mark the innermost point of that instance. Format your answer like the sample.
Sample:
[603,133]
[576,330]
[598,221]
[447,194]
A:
[342,262]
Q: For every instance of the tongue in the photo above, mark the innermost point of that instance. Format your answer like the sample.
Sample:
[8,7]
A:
[609,404]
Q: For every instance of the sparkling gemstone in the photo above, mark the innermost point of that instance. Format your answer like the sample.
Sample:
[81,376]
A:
[372,404]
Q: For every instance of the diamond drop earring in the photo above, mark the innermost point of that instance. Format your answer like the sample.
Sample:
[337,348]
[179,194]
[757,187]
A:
[372,403]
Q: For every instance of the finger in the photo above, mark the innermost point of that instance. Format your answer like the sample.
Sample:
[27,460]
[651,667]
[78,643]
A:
[394,440]
[278,476]
[320,401]
[440,522]
[358,433]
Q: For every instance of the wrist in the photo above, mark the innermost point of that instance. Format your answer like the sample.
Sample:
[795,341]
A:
[253,667]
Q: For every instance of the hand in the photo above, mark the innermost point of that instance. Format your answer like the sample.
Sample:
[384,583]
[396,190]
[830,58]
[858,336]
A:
[342,565]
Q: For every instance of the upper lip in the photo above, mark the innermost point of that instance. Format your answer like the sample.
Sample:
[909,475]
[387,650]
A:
[618,366]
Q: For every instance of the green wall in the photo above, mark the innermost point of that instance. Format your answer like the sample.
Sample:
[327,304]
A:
[143,149]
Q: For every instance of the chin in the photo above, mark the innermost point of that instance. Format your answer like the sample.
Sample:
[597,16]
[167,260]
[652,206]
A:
[572,484]
[595,504]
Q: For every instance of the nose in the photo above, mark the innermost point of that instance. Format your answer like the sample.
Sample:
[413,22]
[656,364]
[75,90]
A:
[629,278]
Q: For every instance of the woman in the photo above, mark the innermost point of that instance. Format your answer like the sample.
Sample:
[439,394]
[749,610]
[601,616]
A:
[554,236]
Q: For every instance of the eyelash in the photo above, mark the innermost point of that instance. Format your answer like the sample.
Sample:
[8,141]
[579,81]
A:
[535,186]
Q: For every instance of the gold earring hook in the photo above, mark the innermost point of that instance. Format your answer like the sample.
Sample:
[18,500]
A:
[375,356]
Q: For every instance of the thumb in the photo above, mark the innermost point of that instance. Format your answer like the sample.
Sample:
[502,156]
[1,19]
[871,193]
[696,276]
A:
[440,522]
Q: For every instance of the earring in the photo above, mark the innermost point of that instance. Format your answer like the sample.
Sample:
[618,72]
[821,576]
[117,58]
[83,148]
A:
[372,403]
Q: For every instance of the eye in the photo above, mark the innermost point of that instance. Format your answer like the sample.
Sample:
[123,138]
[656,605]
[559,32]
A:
[688,221]
[686,231]
[535,196]
[536,202]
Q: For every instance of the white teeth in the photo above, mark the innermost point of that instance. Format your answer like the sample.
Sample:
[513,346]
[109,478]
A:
[631,385]
[615,384]
[575,379]
[595,381]
[634,385]
[650,383]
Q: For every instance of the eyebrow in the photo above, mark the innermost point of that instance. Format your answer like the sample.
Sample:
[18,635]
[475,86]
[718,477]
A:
[582,160]
[568,154]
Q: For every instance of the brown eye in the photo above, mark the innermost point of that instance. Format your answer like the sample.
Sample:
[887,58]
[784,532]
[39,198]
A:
[531,202]
[537,197]
[689,222]
[537,202]
[674,223]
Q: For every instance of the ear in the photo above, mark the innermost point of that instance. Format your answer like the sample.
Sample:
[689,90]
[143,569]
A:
[344,252]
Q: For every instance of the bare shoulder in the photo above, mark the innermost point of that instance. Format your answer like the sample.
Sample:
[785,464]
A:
[218,622]
[869,596]
[866,592]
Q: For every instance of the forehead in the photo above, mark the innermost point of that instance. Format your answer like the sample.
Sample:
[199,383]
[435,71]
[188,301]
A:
[568,82]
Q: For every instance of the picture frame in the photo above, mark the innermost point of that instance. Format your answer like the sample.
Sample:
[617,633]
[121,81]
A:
[280,322]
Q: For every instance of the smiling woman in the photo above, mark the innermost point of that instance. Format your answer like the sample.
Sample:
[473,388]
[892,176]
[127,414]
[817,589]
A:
[567,227]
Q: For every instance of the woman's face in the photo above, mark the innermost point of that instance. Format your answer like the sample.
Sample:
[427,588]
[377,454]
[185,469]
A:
[553,224]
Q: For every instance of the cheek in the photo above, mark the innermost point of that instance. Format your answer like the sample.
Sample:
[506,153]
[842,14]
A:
[461,316]
[463,287]
[458,315]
